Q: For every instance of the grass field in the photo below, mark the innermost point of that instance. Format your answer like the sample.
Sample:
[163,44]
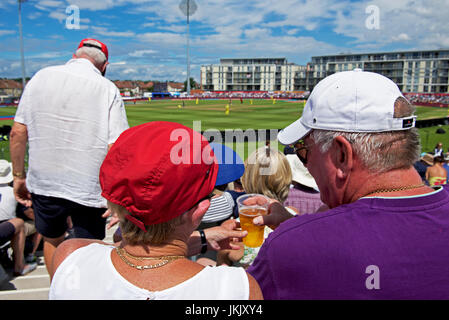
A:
[262,114]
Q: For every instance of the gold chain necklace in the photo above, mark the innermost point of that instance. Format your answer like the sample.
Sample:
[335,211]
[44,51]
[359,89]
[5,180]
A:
[165,259]
[395,189]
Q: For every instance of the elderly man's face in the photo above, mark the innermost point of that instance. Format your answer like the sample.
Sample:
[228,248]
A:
[323,170]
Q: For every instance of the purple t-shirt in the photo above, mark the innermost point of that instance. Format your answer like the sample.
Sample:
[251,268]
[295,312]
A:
[374,248]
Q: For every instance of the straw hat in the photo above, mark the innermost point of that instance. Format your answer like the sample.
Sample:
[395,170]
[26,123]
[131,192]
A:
[300,173]
[427,158]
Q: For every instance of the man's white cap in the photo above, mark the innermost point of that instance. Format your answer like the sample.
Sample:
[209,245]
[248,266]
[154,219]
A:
[349,101]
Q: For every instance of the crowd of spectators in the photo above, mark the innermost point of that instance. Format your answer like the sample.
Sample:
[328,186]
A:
[434,167]
[428,98]
[17,229]
[250,95]
[348,215]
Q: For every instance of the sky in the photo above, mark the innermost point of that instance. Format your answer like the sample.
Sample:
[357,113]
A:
[147,38]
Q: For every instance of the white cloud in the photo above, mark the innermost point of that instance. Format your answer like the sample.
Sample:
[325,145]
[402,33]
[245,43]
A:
[413,21]
[153,71]
[401,37]
[6,3]
[163,38]
[51,3]
[173,28]
[47,55]
[129,70]
[58,16]
[141,53]
[96,5]
[34,15]
[105,32]
[6,32]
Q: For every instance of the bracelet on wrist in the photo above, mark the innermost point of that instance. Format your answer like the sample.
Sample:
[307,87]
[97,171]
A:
[203,241]
[20,174]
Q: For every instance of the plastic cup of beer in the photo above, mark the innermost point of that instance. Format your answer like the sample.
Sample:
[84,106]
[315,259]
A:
[248,210]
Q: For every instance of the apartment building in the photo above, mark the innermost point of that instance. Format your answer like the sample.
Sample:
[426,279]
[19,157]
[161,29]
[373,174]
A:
[413,71]
[251,74]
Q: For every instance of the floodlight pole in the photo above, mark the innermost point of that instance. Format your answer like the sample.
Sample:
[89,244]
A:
[188,47]
[22,55]
[188,7]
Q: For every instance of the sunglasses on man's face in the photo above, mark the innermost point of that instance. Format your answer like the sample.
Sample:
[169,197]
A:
[301,151]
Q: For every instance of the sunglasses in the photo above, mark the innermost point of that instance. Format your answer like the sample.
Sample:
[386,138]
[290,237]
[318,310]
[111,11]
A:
[208,197]
[301,151]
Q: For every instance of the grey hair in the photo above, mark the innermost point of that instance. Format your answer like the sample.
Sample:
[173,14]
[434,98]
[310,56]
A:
[97,55]
[381,151]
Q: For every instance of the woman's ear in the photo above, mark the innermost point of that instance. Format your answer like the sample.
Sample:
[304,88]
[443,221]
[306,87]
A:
[343,157]
[197,213]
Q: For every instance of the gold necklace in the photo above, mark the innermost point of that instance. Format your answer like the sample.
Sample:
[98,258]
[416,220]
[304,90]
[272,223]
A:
[165,259]
[395,189]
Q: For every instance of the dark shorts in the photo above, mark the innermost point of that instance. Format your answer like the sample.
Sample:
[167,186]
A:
[7,231]
[51,218]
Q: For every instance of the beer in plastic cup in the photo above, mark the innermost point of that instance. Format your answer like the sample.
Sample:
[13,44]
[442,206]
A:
[247,213]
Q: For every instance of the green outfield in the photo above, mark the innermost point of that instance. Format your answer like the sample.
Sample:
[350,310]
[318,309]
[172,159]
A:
[262,114]
[251,114]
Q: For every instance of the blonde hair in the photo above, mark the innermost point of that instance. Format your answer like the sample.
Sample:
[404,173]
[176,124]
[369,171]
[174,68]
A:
[267,172]
[156,234]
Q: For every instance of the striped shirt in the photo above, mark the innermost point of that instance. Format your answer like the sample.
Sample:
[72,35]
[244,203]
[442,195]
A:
[220,209]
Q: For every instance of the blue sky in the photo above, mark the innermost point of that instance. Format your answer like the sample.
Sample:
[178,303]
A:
[147,38]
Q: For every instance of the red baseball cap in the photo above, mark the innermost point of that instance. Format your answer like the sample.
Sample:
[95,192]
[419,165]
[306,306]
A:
[158,171]
[93,43]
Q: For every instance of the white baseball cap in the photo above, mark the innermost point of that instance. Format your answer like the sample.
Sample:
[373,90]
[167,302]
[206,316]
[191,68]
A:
[349,101]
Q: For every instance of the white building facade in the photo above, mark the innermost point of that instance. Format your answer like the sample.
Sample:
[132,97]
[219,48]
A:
[251,74]
[413,71]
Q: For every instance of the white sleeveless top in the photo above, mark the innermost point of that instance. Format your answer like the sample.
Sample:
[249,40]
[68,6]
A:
[88,274]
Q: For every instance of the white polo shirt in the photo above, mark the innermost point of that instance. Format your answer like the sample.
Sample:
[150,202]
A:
[72,114]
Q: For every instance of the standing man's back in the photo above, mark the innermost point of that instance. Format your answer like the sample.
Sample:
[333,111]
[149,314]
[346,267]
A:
[66,109]
[69,115]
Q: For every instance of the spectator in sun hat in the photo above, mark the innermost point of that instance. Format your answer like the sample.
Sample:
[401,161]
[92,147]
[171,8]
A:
[385,234]
[70,115]
[157,178]
[12,228]
[421,166]
[303,194]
